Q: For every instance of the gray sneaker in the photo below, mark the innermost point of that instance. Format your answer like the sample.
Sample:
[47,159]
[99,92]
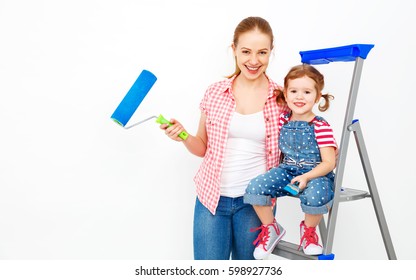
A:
[309,240]
[267,239]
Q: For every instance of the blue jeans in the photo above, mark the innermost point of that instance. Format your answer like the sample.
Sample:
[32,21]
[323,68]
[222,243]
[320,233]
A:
[227,233]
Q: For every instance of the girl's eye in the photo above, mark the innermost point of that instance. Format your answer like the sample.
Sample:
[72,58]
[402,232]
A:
[245,52]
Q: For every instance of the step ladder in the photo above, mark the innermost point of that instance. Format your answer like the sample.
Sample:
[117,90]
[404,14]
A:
[357,53]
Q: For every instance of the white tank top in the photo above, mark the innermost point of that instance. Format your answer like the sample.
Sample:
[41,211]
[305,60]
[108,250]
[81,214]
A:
[245,156]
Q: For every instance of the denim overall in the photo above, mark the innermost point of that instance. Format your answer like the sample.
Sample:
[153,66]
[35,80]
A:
[299,147]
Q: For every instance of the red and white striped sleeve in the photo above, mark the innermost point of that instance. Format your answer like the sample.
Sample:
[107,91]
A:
[324,135]
[282,120]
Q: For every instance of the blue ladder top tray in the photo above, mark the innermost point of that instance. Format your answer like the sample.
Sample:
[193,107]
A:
[344,53]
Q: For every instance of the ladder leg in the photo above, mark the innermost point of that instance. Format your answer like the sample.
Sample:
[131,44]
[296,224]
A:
[359,139]
[322,230]
[342,154]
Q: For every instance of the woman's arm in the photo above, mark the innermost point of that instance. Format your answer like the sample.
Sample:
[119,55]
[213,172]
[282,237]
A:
[197,144]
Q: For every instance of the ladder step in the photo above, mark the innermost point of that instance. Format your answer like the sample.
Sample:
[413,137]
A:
[348,194]
[290,251]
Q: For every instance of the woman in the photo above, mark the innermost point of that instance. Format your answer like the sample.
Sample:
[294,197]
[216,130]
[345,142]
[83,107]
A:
[237,138]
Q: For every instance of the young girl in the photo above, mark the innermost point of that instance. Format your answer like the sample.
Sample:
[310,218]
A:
[308,149]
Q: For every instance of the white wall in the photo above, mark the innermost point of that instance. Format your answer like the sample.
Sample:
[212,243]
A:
[74,185]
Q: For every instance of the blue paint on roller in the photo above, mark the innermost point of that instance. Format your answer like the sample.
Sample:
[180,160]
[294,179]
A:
[134,97]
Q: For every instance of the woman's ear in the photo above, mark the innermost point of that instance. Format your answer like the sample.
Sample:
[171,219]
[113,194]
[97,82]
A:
[233,48]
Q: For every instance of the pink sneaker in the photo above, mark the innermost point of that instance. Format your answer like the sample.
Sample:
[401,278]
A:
[267,239]
[309,240]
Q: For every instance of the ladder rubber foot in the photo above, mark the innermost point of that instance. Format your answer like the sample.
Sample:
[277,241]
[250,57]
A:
[326,257]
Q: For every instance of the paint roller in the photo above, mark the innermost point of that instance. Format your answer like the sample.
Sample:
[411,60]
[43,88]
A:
[293,189]
[132,100]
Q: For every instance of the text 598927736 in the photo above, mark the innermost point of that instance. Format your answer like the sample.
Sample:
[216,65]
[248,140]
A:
[194,271]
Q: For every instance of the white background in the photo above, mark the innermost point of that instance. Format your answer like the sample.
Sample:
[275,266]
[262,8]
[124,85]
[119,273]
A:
[75,185]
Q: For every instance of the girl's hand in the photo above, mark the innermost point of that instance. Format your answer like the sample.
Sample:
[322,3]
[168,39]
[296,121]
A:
[174,130]
[302,180]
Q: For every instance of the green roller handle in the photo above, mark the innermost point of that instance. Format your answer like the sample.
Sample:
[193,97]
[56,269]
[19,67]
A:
[161,120]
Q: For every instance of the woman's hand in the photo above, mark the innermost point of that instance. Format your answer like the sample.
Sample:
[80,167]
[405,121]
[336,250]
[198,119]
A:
[174,130]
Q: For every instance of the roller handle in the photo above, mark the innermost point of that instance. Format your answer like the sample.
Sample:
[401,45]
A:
[161,120]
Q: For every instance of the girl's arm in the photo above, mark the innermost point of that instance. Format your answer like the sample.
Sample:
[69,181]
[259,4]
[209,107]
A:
[328,156]
[197,144]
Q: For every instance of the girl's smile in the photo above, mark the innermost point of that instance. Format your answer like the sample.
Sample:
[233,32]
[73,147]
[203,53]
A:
[301,96]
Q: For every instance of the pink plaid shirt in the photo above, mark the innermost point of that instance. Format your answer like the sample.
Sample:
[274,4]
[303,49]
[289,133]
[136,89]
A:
[218,105]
